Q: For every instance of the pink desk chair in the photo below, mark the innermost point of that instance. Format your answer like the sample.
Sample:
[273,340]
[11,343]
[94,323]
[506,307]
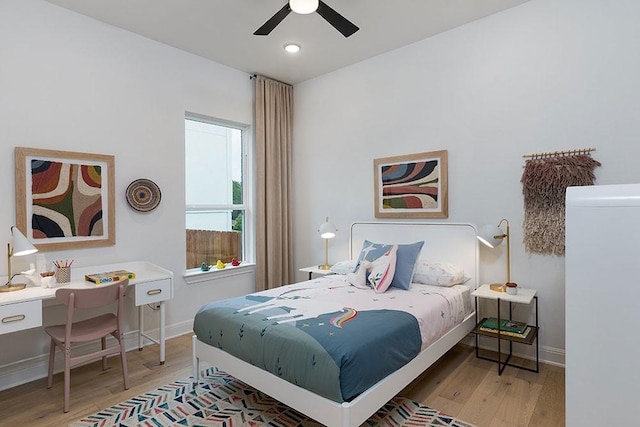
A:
[99,327]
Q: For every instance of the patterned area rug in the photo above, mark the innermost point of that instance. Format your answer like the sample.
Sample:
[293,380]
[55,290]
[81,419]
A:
[221,400]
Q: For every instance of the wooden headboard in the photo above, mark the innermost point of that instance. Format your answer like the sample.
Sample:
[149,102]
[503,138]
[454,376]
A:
[455,243]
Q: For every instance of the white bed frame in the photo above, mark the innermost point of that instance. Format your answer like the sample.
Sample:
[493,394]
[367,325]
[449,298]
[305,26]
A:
[446,242]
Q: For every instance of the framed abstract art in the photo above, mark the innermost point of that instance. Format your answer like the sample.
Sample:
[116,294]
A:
[411,186]
[65,199]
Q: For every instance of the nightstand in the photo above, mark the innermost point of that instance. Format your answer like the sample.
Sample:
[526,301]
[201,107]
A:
[315,270]
[524,296]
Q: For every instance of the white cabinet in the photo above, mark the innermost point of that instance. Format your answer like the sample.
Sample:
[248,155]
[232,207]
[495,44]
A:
[153,291]
[21,315]
[601,298]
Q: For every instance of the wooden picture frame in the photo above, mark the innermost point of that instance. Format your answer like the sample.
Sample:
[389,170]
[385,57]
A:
[65,199]
[411,186]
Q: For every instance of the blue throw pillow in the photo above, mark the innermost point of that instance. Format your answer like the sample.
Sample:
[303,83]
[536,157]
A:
[406,258]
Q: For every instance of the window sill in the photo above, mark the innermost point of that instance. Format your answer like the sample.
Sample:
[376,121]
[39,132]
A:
[195,275]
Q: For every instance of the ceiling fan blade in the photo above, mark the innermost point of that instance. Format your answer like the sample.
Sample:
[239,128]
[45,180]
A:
[340,23]
[273,21]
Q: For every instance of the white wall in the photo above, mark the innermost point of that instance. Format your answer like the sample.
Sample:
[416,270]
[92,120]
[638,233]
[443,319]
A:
[68,82]
[544,76]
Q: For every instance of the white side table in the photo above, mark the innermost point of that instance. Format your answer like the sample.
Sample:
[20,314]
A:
[315,270]
[524,296]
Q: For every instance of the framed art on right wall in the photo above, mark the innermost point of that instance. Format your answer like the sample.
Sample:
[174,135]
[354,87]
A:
[411,186]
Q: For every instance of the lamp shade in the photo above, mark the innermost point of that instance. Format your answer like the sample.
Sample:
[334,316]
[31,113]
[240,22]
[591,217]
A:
[491,235]
[20,244]
[327,230]
[303,6]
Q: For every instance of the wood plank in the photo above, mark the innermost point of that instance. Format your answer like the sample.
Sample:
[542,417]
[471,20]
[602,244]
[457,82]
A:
[485,399]
[518,405]
[550,406]
[439,373]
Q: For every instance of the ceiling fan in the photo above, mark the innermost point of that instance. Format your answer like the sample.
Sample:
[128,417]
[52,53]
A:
[339,22]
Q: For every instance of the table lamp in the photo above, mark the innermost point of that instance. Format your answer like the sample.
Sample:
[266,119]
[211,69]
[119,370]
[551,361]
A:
[18,246]
[492,236]
[327,231]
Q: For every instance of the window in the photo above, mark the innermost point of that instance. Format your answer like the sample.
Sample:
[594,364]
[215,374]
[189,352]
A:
[216,192]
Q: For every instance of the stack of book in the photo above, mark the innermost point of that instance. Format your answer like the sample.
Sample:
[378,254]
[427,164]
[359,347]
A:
[507,327]
[110,276]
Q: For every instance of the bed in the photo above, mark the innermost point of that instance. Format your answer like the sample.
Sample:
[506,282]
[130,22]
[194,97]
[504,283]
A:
[444,242]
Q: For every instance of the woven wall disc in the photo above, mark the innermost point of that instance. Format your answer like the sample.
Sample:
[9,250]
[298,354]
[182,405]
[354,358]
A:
[143,195]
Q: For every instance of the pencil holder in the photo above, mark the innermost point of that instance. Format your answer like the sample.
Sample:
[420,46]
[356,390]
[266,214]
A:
[63,274]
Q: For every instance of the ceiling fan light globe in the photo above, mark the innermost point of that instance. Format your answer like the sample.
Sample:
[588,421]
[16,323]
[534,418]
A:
[303,7]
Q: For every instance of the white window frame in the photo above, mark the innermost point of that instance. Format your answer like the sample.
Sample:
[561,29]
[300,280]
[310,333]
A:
[195,275]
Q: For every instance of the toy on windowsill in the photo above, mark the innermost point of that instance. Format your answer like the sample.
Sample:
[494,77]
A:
[205,267]
[235,262]
[220,264]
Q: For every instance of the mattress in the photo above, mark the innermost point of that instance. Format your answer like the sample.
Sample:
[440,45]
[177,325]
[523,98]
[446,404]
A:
[328,336]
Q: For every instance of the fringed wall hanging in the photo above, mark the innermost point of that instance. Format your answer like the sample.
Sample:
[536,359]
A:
[544,181]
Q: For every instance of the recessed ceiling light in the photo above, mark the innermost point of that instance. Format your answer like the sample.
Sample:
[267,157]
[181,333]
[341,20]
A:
[292,47]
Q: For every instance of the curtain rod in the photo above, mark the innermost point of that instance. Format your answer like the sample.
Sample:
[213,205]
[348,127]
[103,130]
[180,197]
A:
[559,153]
[255,76]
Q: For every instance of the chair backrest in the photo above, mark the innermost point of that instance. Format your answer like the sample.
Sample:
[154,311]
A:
[98,296]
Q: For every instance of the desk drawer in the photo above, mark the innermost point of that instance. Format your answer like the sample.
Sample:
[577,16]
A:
[20,315]
[155,291]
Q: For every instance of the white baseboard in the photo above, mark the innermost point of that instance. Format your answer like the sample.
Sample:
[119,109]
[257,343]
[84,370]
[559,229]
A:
[27,370]
[553,356]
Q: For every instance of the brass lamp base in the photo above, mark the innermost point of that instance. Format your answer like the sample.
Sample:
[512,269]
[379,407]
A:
[498,287]
[324,267]
[10,287]
[501,287]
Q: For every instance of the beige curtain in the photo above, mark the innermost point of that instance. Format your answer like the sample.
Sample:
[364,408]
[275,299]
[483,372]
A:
[274,117]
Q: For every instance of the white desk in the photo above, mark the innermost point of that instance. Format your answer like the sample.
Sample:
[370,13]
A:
[22,309]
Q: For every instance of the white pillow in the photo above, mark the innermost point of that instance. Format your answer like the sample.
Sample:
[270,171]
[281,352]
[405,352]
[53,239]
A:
[344,267]
[438,274]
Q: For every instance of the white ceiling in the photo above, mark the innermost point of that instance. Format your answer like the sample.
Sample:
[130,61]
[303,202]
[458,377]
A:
[222,30]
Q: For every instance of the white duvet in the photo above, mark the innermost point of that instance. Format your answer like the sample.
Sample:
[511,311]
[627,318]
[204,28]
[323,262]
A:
[437,309]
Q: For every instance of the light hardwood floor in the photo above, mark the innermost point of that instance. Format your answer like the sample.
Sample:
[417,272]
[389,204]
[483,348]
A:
[458,384]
